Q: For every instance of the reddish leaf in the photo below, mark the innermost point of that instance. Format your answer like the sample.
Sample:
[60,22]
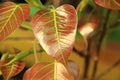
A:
[74,68]
[86,26]
[27,75]
[80,42]
[3,62]
[55,29]
[45,71]
[111,4]
[11,70]
[11,17]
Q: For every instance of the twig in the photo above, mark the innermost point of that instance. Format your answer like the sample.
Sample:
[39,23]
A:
[87,60]
[80,53]
[114,25]
[108,70]
[100,44]
[35,51]
[20,38]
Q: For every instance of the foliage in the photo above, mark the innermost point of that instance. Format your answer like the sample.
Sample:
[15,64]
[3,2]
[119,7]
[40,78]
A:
[11,17]
[58,31]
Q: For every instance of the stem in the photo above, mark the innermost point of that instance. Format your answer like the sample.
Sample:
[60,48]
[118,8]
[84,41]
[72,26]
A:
[100,44]
[21,55]
[80,53]
[108,70]
[82,4]
[87,63]
[35,52]
[55,70]
[26,25]
[87,60]
[78,6]
[20,38]
[41,5]
[114,25]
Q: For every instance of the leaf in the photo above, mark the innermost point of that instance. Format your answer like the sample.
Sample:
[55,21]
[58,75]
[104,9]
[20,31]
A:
[35,3]
[82,5]
[11,17]
[20,56]
[46,71]
[55,29]
[11,70]
[80,42]
[111,4]
[86,26]
[27,75]
[74,69]
[4,56]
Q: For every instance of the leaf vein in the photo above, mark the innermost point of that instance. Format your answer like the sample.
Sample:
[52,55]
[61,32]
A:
[8,19]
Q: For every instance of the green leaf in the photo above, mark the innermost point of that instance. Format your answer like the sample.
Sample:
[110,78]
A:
[11,17]
[46,71]
[11,70]
[111,4]
[55,29]
[20,56]
[35,3]
[33,10]
[4,56]
[27,25]
[82,5]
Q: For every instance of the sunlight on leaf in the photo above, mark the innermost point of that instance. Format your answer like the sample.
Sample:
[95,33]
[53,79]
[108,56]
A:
[11,17]
[11,70]
[86,26]
[55,29]
[45,71]
[111,4]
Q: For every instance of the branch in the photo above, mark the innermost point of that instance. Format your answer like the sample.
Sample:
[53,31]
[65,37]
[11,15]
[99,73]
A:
[87,59]
[100,43]
[80,53]
[114,25]
[20,38]
[108,70]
